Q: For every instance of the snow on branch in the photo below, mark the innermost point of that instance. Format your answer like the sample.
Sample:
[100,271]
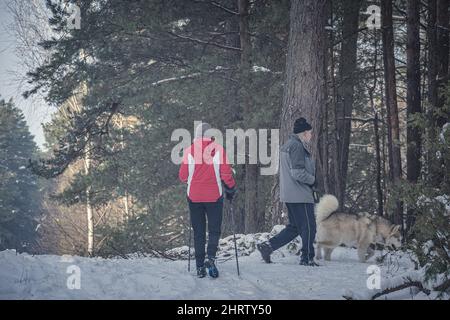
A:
[390,285]
[188,76]
[264,70]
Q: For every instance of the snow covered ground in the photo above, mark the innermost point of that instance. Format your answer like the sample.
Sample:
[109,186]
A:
[23,276]
[44,277]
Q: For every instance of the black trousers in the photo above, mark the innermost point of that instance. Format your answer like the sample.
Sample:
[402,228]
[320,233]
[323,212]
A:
[200,211]
[301,222]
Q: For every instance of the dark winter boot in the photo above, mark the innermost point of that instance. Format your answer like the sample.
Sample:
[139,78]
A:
[266,250]
[309,263]
[211,267]
[201,272]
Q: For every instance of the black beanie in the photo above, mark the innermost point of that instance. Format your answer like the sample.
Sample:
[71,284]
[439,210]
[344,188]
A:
[301,125]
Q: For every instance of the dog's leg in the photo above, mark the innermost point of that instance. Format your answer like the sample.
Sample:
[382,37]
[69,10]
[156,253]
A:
[362,252]
[370,253]
[328,252]
[319,252]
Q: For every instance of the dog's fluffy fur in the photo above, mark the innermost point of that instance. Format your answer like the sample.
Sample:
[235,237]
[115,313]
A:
[361,231]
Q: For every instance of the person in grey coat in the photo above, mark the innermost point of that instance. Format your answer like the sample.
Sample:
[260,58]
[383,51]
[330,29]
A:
[297,178]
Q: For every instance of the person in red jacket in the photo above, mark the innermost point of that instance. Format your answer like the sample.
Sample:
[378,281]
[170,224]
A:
[208,175]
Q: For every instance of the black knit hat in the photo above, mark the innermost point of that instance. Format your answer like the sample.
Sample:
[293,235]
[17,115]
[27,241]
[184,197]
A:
[301,125]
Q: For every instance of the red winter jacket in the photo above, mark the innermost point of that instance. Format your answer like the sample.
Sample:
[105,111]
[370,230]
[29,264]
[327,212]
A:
[204,167]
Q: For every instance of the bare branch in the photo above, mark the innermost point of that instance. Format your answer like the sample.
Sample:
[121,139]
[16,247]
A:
[218,5]
[188,76]
[204,42]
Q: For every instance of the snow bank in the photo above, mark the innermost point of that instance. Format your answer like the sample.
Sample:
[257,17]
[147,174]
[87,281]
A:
[245,243]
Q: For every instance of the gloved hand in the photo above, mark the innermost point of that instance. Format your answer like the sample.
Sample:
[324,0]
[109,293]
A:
[230,192]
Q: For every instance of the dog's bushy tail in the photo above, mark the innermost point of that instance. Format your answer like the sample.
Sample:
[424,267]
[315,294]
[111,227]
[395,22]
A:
[326,206]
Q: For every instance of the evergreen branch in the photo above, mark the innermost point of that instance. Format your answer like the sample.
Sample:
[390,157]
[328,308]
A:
[443,286]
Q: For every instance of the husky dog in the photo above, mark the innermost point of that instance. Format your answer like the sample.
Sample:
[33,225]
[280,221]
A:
[361,231]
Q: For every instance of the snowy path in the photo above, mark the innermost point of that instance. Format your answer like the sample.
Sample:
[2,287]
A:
[44,277]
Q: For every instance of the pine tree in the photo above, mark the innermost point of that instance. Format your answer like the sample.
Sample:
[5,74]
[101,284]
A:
[19,190]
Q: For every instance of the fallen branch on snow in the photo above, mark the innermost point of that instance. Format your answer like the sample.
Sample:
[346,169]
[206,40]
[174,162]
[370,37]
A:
[405,285]
[413,279]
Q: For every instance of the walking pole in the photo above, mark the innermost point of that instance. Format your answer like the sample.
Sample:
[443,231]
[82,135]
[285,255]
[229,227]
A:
[234,236]
[189,254]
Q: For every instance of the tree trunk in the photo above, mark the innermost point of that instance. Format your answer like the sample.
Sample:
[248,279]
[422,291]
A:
[376,129]
[438,63]
[324,142]
[413,98]
[345,97]
[89,215]
[391,103]
[254,220]
[442,116]
[334,173]
[234,104]
[378,165]
[304,90]
[413,90]
[442,34]
[76,103]
[433,175]
[125,199]
[305,78]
